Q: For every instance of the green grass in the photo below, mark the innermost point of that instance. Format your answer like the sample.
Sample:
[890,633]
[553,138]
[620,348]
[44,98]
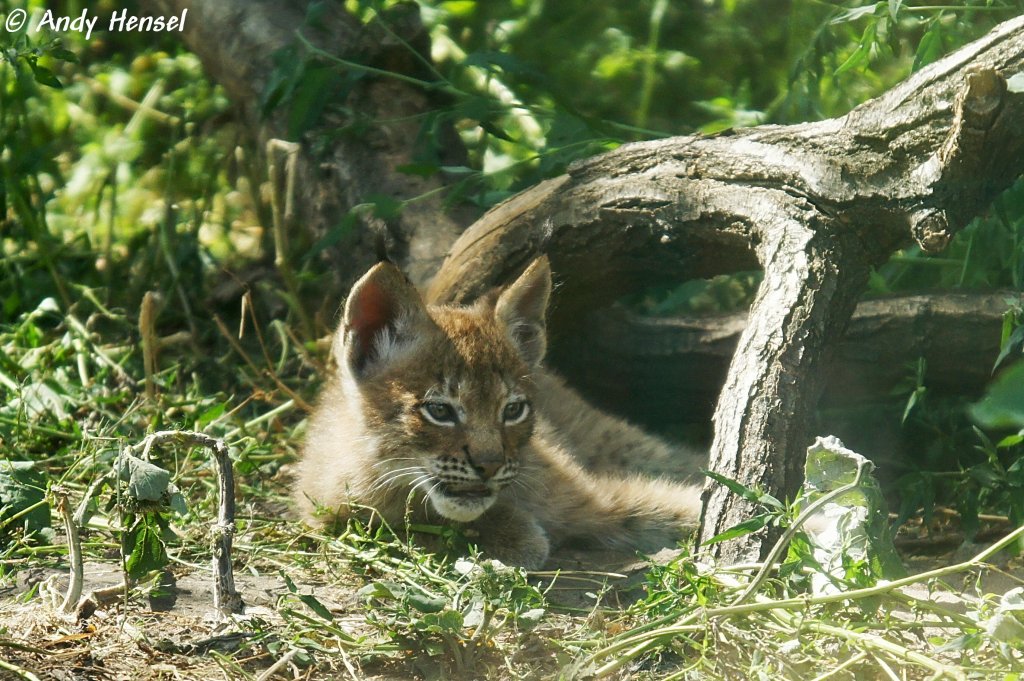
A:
[366,602]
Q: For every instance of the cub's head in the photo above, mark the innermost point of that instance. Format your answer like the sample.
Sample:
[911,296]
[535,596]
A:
[445,392]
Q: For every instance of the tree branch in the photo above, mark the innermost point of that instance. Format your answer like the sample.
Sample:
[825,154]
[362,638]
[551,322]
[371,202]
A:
[664,370]
[815,205]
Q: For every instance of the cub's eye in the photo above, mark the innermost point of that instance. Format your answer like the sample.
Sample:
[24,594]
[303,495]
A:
[515,412]
[440,413]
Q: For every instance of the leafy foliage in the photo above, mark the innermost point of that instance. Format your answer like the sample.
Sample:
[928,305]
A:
[22,492]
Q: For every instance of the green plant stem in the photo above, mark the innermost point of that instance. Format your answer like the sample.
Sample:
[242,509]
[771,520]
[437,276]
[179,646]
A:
[791,531]
[876,590]
[266,416]
[954,8]
[854,659]
[79,328]
[873,642]
[442,86]
[8,643]
[90,492]
[637,643]
[650,58]
[18,671]
[22,513]
[40,429]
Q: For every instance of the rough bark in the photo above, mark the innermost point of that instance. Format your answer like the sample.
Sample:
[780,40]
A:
[237,41]
[670,370]
[816,205]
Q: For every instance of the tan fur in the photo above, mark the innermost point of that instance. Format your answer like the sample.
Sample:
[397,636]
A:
[381,436]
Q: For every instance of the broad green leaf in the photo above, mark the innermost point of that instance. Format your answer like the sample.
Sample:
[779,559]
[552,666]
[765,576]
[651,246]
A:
[64,55]
[493,129]
[985,475]
[45,76]
[384,590]
[316,87]
[930,48]
[448,621]
[1007,622]
[1014,342]
[287,70]
[177,501]
[853,527]
[474,614]
[212,414]
[1003,404]
[146,481]
[860,55]
[425,603]
[145,549]
[1011,440]
[42,399]
[911,403]
[533,615]
[459,8]
[316,606]
[288,582]
[385,207]
[419,169]
[309,600]
[22,486]
[735,487]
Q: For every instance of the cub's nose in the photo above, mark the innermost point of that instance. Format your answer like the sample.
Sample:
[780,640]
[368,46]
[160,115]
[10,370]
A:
[486,471]
[485,464]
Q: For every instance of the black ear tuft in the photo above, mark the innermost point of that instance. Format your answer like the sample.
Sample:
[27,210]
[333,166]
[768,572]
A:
[380,245]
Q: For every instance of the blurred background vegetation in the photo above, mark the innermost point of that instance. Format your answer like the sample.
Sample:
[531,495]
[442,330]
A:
[125,171]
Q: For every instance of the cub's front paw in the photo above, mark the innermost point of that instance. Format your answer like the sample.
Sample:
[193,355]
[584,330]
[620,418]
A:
[513,538]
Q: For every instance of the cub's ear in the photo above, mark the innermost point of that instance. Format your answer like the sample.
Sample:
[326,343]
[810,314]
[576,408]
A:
[521,308]
[383,314]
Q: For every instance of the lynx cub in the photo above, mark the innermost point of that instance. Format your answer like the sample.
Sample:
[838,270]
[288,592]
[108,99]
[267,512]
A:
[445,413]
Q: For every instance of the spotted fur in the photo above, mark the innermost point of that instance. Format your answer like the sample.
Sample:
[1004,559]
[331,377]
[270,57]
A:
[443,414]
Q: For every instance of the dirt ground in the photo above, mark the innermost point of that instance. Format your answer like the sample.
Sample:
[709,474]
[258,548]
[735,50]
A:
[173,632]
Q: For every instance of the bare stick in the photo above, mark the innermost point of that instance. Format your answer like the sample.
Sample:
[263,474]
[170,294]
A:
[74,551]
[282,203]
[90,492]
[147,329]
[225,599]
[278,666]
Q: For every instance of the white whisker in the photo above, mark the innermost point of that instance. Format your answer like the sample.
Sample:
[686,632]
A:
[425,478]
[526,480]
[427,495]
[393,459]
[390,478]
